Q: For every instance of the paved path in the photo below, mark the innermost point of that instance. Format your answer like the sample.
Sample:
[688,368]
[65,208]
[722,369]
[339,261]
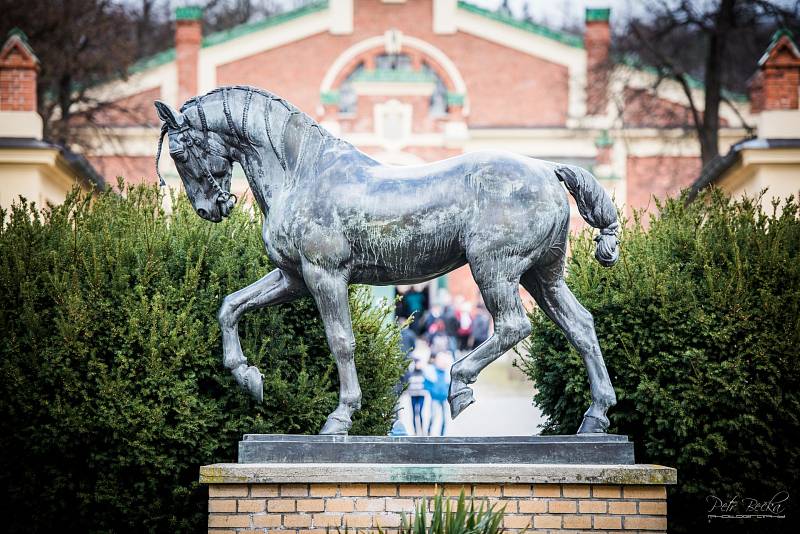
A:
[503,406]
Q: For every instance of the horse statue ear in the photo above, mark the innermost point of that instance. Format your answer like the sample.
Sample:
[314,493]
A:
[172,118]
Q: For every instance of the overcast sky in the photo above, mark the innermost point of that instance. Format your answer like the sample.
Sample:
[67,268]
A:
[570,13]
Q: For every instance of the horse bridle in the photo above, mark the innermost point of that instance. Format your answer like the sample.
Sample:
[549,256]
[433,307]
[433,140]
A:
[188,143]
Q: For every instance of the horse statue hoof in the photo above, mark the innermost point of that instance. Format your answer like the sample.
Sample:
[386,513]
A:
[254,381]
[335,427]
[251,380]
[460,400]
[593,425]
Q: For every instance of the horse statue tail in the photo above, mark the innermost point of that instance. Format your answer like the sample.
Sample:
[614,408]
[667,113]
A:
[596,208]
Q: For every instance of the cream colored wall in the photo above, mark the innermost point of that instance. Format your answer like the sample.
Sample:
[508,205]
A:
[16,180]
[776,170]
[41,176]
[779,124]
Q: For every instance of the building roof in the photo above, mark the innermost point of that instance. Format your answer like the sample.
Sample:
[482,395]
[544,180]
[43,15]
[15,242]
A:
[557,35]
[18,41]
[781,39]
[223,36]
[247,28]
[718,166]
[82,169]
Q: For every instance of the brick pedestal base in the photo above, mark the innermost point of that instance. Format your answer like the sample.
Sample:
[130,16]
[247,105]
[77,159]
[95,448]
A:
[319,498]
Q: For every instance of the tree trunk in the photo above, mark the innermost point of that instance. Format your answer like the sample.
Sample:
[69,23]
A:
[708,131]
[65,109]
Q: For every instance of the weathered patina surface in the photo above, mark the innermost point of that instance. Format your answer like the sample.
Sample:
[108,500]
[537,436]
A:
[607,449]
[335,216]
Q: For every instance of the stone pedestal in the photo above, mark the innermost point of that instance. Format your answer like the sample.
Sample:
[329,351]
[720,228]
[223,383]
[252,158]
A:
[299,495]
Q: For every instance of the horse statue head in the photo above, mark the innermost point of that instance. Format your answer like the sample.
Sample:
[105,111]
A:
[203,162]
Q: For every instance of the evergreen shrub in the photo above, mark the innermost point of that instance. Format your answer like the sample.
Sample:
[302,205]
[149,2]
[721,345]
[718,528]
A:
[699,324]
[112,388]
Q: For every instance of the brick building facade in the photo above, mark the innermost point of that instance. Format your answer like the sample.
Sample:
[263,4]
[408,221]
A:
[410,81]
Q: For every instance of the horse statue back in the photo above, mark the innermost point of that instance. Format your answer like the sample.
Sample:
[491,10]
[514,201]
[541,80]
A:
[334,216]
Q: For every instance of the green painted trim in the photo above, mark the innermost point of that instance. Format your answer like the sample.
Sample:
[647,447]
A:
[153,61]
[562,37]
[17,32]
[634,62]
[598,14]
[189,13]
[400,76]
[455,99]
[329,97]
[251,27]
[781,32]
[168,55]
[603,140]
[777,35]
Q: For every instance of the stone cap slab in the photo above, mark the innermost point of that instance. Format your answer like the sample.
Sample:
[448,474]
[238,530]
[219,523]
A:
[584,449]
[349,473]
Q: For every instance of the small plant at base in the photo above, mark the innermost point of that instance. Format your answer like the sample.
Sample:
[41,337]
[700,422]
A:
[462,520]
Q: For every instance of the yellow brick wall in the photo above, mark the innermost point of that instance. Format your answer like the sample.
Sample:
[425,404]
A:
[324,508]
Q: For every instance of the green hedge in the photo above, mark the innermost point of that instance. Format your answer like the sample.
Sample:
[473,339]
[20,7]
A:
[112,388]
[700,328]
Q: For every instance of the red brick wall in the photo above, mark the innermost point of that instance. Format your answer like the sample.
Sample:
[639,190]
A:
[645,110]
[756,90]
[134,110]
[326,508]
[432,153]
[17,80]
[460,282]
[659,177]
[597,40]
[781,76]
[781,88]
[188,35]
[425,153]
[134,169]
[538,88]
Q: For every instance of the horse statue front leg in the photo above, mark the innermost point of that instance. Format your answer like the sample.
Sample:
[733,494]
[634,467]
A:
[329,289]
[275,288]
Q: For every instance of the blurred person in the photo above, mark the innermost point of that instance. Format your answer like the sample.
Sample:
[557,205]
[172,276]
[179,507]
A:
[437,383]
[415,302]
[464,332]
[417,393]
[430,316]
[408,339]
[436,336]
[451,326]
[481,325]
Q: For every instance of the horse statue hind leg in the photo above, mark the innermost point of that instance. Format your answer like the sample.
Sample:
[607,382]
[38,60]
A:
[511,326]
[548,288]
[541,273]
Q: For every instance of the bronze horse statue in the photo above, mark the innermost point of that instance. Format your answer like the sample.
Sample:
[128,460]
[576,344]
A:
[334,216]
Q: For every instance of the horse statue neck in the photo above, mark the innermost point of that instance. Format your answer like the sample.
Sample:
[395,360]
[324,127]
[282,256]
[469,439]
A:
[276,144]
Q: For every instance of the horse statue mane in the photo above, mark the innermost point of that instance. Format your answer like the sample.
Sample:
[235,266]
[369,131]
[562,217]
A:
[276,138]
[334,216]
